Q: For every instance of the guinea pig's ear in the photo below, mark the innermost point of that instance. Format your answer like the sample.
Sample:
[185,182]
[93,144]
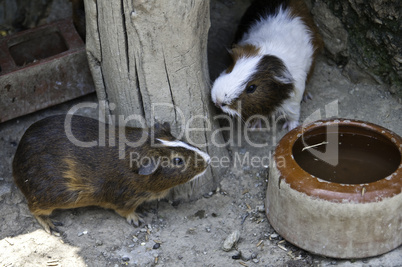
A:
[162,127]
[166,126]
[157,126]
[284,77]
[149,167]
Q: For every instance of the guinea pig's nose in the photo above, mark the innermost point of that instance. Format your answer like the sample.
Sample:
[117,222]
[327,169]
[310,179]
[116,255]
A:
[220,104]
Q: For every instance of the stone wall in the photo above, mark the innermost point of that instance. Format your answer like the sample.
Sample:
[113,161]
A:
[364,37]
[18,15]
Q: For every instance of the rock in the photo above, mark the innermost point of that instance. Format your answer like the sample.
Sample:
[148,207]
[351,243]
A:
[334,35]
[231,240]
[356,75]
[369,34]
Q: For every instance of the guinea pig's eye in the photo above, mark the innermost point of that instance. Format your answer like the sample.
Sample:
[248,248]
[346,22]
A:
[251,89]
[178,161]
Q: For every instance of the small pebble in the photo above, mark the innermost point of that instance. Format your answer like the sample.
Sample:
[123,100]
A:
[156,246]
[83,233]
[237,256]
[143,244]
[125,259]
[208,195]
[260,208]
[231,240]
[98,243]
[274,236]
[256,260]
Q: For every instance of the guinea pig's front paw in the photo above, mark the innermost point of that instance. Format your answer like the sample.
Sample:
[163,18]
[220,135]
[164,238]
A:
[134,219]
[48,225]
[307,96]
[290,125]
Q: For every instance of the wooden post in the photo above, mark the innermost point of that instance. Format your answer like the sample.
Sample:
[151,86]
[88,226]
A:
[149,58]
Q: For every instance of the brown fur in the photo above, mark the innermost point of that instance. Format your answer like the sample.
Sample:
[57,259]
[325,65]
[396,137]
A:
[243,51]
[53,173]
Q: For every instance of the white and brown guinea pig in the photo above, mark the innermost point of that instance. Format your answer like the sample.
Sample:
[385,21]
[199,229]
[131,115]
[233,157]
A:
[272,58]
[54,173]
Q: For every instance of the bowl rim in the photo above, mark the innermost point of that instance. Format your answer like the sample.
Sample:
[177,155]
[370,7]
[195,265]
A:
[302,181]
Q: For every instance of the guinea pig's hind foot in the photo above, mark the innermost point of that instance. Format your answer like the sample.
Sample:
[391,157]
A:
[48,225]
[132,217]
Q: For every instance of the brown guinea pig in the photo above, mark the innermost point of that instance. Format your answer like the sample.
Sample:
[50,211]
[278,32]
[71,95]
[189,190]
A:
[275,48]
[64,163]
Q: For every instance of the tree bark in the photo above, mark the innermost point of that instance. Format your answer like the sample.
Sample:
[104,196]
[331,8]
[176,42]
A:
[149,58]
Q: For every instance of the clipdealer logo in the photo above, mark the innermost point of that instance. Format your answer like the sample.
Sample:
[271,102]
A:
[119,138]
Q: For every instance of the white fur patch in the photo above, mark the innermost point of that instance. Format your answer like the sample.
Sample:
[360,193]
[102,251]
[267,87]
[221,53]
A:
[228,86]
[177,143]
[231,112]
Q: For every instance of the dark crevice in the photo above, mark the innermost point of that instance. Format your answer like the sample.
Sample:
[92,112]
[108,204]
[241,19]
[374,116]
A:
[170,87]
[140,100]
[125,36]
[98,61]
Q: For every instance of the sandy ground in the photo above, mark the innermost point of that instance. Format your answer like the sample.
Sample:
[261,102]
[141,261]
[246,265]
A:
[190,234]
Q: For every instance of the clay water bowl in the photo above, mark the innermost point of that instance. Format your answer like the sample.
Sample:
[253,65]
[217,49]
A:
[335,189]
